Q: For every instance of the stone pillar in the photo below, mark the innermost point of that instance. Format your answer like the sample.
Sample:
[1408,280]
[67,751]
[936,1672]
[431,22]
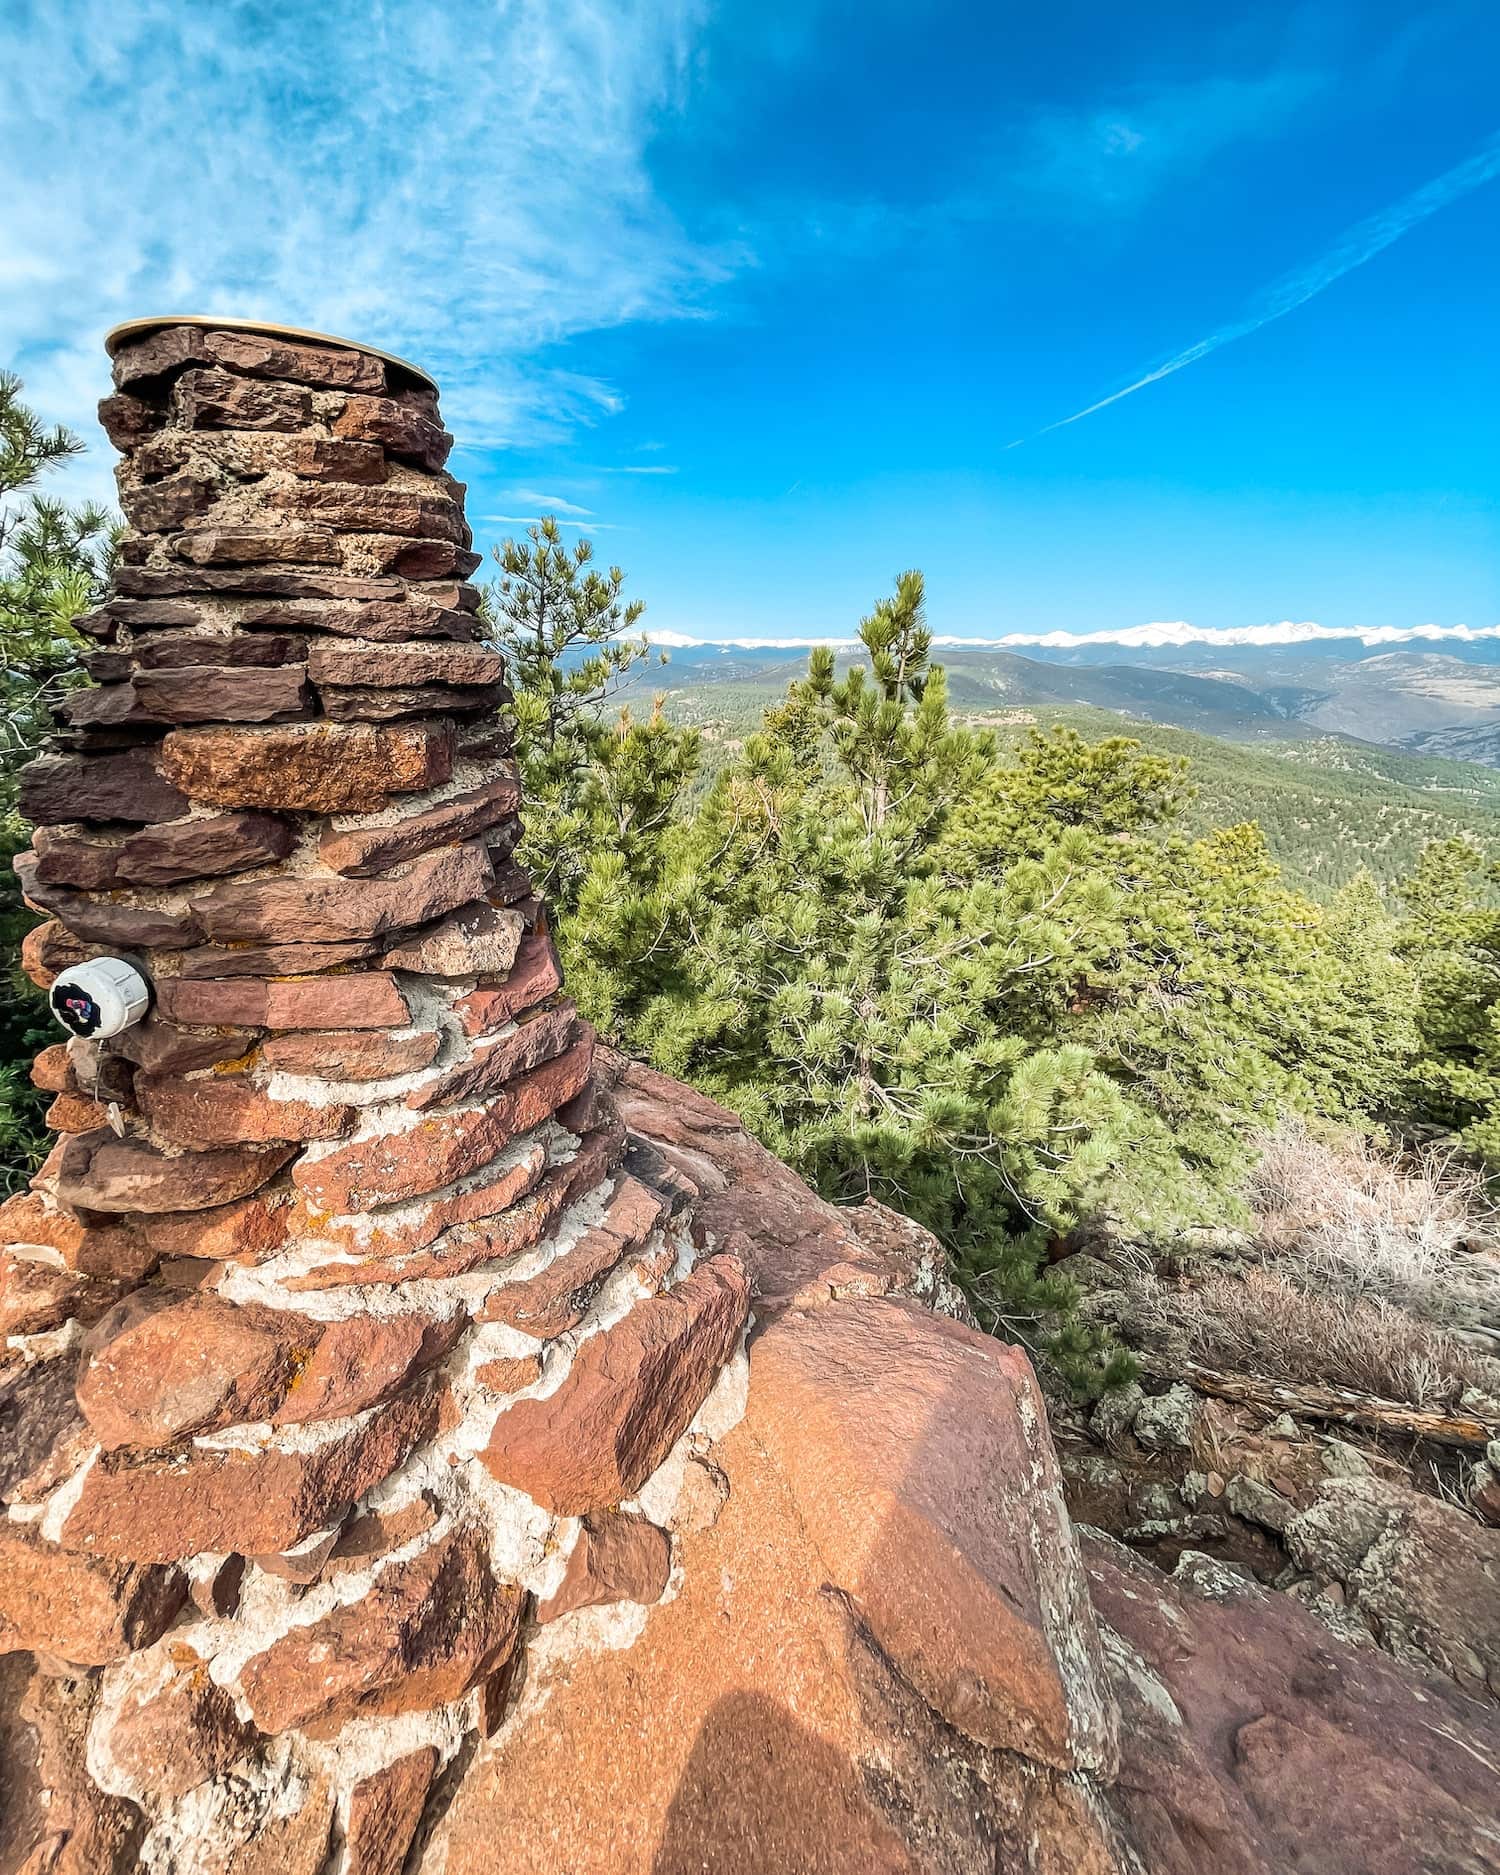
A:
[347,1330]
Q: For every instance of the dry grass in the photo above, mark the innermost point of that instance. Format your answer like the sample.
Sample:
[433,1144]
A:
[1347,1221]
[1264,1323]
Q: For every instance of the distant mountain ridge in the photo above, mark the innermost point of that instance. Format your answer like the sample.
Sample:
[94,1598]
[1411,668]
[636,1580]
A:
[1437,692]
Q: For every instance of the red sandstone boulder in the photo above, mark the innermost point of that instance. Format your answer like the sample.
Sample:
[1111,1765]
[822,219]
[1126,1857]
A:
[426,1632]
[917,1451]
[628,1397]
[403,430]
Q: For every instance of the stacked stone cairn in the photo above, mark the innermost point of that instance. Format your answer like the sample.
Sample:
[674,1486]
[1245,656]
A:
[350,1342]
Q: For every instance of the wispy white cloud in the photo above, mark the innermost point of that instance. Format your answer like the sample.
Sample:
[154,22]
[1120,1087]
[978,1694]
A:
[550,504]
[1155,637]
[1114,155]
[1362,243]
[649,468]
[1166,636]
[465,184]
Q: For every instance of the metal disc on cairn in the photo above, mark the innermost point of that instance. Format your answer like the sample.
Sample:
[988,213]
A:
[352,1324]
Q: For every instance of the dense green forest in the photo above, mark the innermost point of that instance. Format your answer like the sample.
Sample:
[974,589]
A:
[1016,979]
[1330,807]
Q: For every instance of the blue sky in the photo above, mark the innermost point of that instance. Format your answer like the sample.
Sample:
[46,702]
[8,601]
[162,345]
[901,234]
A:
[777,299]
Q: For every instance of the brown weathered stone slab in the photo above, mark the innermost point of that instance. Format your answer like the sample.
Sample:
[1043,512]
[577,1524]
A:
[535,974]
[36,1296]
[384,1810]
[225,1110]
[109,1251]
[320,768]
[427,1631]
[629,1396]
[420,513]
[162,506]
[43,1437]
[127,420]
[442,1147]
[86,865]
[247,1231]
[80,1608]
[108,921]
[366,1000]
[361,851]
[382,621]
[157,355]
[370,703]
[559,1296]
[162,1369]
[389,666]
[273,960]
[197,649]
[476,941]
[492,1063]
[127,787]
[263,582]
[213,399]
[171,1728]
[104,706]
[158,1509]
[516,1225]
[199,849]
[322,910]
[102,1173]
[258,355]
[617,1558]
[509,1373]
[386,1236]
[402,430]
[257,546]
[154,614]
[226,694]
[166,1048]
[352,1054]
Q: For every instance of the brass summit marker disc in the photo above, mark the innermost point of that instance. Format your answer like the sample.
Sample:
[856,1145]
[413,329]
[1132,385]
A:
[134,329]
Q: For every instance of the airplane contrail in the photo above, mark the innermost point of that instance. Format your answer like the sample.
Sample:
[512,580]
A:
[1363,242]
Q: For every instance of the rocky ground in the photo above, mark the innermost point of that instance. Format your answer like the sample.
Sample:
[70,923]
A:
[1319,1409]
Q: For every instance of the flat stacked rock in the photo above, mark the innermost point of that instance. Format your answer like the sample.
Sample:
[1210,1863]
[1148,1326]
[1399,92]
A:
[344,1330]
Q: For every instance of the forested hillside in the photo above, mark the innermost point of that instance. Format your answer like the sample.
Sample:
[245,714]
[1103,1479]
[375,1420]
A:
[1329,806]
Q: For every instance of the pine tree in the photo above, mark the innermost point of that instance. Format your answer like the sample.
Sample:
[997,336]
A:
[1451,939]
[53,565]
[600,789]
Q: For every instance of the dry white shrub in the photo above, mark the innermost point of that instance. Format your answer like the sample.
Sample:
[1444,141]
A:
[1265,1324]
[1345,1219]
